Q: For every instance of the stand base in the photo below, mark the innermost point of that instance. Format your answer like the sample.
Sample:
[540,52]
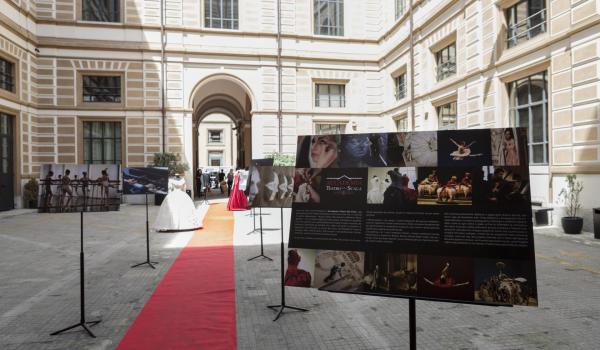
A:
[283,307]
[150,263]
[82,325]
[260,256]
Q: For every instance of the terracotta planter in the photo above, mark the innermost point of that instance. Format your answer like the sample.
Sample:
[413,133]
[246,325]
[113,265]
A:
[572,224]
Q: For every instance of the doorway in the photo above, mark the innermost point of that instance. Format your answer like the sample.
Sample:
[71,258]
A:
[7,195]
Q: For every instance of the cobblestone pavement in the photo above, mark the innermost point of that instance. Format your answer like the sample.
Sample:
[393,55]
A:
[39,292]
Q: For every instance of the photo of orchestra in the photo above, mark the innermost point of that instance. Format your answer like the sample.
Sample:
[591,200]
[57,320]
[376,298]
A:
[79,187]
[441,186]
[507,186]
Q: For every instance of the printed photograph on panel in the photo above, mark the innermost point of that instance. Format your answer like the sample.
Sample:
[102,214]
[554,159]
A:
[271,186]
[509,145]
[392,187]
[300,267]
[145,180]
[506,187]
[445,186]
[307,185]
[339,270]
[368,150]
[445,277]
[389,273]
[318,151]
[464,148]
[419,148]
[500,281]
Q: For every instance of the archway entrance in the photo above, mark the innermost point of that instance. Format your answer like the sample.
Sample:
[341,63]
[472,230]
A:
[222,116]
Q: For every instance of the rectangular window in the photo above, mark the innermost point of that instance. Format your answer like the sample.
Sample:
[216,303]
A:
[447,116]
[329,17]
[101,142]
[101,89]
[446,62]
[402,124]
[524,20]
[330,95]
[221,14]
[215,136]
[7,75]
[400,7]
[100,10]
[330,129]
[529,108]
[215,158]
[400,85]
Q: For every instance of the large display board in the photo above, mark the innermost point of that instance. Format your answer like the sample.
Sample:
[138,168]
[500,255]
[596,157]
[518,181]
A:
[145,180]
[440,215]
[79,187]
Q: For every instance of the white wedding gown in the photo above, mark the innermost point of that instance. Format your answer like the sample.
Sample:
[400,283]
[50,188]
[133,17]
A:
[177,212]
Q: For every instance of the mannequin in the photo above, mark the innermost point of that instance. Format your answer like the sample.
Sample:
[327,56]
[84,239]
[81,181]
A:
[177,212]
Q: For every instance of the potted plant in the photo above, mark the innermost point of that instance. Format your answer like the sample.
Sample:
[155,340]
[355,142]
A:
[30,194]
[571,224]
[173,163]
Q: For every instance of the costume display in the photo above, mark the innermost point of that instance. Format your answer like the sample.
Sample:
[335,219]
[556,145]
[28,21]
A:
[237,200]
[177,212]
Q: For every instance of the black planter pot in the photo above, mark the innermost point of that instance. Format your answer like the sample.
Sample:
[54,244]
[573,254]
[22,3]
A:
[572,224]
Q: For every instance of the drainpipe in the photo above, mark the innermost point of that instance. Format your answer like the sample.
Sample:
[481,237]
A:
[279,105]
[412,69]
[163,74]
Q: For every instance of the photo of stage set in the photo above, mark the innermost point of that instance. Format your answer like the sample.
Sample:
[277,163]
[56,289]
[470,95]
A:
[145,180]
[79,187]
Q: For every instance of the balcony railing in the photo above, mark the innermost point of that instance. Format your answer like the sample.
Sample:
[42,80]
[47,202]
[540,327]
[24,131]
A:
[446,69]
[526,28]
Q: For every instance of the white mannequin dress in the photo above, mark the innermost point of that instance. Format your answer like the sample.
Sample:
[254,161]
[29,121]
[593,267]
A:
[177,212]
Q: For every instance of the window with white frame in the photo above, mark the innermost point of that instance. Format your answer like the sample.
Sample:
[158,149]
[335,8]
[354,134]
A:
[402,124]
[525,20]
[330,128]
[221,14]
[100,10]
[329,17]
[215,136]
[528,101]
[447,116]
[400,7]
[446,62]
[400,86]
[215,158]
[7,75]
[330,95]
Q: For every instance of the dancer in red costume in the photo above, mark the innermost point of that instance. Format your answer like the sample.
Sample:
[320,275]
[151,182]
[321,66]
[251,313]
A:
[237,199]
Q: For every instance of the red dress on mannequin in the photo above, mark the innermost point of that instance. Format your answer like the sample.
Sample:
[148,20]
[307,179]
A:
[237,199]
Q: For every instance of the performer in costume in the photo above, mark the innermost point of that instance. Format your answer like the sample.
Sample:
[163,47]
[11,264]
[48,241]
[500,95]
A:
[237,200]
[177,211]
[509,148]
[295,276]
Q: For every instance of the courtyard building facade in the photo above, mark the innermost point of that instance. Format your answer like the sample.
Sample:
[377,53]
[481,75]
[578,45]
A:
[114,81]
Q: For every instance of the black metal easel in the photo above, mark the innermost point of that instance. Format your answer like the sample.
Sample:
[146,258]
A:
[150,263]
[283,306]
[262,249]
[82,322]
[412,322]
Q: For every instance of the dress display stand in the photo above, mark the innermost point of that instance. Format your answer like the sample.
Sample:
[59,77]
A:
[82,322]
[281,307]
[262,249]
[150,263]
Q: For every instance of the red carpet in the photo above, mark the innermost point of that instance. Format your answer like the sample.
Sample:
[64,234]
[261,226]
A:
[193,306]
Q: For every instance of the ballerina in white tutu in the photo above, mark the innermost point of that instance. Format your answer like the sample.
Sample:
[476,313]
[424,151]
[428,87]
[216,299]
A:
[177,212]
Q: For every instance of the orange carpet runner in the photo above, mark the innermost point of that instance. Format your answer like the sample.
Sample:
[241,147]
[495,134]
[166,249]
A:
[193,306]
